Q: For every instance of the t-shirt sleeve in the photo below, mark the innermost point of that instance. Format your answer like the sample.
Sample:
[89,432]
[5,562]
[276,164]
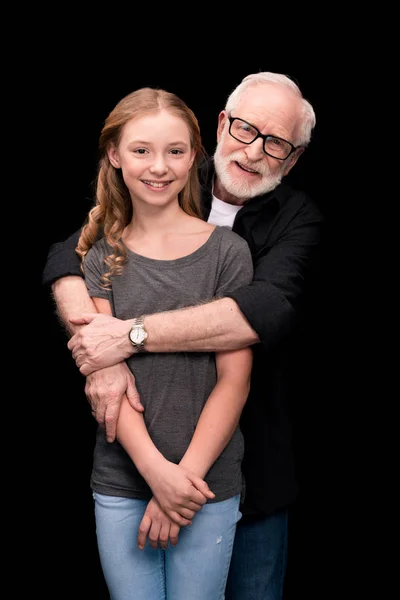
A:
[94,268]
[237,264]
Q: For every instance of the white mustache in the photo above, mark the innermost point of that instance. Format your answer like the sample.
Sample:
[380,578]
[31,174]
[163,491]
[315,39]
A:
[258,166]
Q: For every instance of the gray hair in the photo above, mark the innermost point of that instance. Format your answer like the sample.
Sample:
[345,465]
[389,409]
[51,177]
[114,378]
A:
[308,119]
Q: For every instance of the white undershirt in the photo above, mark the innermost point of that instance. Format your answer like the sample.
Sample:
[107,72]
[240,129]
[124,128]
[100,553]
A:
[222,213]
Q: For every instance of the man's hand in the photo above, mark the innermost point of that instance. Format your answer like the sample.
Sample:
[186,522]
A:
[158,527]
[179,491]
[102,343]
[104,390]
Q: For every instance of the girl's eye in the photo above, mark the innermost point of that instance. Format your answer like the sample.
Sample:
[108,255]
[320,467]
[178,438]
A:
[140,150]
[176,151]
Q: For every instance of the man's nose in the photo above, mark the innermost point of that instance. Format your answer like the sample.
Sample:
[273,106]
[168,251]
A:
[254,151]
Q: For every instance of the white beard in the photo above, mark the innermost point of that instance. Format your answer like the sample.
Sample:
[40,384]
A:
[241,188]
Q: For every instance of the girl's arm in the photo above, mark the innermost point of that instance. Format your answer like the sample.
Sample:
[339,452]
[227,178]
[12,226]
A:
[221,413]
[217,423]
[180,492]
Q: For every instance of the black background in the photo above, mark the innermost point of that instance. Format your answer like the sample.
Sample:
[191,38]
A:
[70,105]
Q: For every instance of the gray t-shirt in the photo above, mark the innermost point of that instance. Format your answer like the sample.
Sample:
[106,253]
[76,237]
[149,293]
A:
[173,387]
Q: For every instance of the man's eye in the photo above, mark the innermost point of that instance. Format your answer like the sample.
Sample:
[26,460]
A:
[276,142]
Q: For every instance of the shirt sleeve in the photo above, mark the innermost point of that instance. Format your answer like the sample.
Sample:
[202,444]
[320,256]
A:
[62,260]
[237,264]
[282,275]
[94,268]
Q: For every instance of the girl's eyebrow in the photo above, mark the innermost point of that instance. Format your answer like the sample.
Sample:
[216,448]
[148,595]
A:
[148,143]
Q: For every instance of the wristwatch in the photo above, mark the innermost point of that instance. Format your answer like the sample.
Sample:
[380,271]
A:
[138,334]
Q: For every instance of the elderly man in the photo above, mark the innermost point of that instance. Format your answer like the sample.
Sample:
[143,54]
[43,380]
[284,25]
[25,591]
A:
[263,130]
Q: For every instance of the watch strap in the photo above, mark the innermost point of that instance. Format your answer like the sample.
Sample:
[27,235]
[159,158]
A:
[138,323]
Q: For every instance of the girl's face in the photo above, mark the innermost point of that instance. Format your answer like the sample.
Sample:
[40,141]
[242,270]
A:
[155,157]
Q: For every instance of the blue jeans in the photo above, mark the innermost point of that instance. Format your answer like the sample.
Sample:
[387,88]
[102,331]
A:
[195,569]
[259,558]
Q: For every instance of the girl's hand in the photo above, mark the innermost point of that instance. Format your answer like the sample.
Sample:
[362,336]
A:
[158,527]
[179,492]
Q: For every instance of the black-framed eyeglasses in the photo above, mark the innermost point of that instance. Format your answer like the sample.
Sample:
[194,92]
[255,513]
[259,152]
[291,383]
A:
[244,132]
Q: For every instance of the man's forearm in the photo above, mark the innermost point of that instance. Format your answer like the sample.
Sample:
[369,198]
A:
[71,298]
[215,326]
[212,327]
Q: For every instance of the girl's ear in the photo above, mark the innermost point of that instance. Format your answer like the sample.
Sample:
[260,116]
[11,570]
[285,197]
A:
[193,156]
[113,157]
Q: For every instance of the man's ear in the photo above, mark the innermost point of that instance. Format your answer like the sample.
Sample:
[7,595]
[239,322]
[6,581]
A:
[222,117]
[113,157]
[293,160]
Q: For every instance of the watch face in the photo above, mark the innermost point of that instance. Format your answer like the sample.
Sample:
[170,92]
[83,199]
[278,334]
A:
[137,335]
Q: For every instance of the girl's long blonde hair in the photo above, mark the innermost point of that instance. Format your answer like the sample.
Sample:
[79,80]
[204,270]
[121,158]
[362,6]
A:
[113,211]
